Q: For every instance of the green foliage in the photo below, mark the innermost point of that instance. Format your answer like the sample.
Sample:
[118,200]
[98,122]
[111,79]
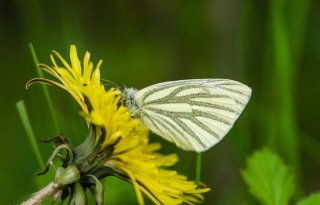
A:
[313,199]
[269,179]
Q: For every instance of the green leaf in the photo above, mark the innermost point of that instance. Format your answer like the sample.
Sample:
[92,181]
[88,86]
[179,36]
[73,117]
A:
[313,199]
[268,178]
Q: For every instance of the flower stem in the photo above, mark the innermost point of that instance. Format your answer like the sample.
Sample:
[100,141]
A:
[42,195]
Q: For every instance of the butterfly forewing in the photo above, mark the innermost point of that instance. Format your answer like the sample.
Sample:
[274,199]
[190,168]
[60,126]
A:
[193,114]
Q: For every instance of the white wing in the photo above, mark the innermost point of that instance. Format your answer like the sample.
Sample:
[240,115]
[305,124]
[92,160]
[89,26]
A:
[193,114]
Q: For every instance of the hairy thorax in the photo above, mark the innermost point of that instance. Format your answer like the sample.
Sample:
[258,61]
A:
[128,100]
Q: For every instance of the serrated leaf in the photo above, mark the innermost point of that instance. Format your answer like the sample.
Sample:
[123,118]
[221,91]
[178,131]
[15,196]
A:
[268,178]
[313,199]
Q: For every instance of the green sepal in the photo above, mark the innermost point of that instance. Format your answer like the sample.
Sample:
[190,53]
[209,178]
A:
[55,153]
[68,176]
[59,171]
[78,196]
[98,190]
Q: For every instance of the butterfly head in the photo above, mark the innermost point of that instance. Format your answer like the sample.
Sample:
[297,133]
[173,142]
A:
[128,99]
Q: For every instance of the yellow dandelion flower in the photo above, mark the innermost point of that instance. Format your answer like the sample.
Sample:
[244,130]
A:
[132,158]
[72,77]
[144,169]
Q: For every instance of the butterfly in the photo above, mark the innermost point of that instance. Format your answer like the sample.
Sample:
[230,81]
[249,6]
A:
[193,114]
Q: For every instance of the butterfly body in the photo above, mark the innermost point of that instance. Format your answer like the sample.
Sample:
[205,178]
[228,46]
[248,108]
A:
[128,96]
[194,114]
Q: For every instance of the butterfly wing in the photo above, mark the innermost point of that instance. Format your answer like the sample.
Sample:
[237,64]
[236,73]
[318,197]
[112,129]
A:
[193,114]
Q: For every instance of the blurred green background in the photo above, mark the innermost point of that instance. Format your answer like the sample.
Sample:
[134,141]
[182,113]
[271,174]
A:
[272,46]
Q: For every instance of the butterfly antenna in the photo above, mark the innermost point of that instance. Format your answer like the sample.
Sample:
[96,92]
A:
[109,82]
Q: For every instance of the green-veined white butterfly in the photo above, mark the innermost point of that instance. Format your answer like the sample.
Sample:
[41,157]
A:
[193,114]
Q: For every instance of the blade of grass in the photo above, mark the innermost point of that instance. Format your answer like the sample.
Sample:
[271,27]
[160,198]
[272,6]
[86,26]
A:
[28,128]
[198,168]
[284,79]
[45,89]
[242,140]
[299,14]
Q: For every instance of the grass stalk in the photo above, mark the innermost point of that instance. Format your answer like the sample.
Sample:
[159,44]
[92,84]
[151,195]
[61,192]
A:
[284,79]
[28,128]
[45,89]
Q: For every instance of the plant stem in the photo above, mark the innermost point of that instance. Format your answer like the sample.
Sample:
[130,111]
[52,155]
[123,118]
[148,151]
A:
[198,168]
[42,195]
